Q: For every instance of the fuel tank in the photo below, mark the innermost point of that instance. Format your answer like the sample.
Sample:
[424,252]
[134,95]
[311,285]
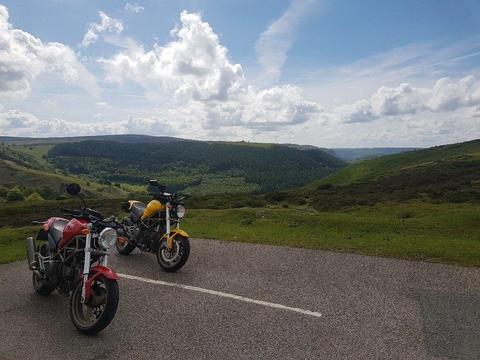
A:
[73,228]
[153,207]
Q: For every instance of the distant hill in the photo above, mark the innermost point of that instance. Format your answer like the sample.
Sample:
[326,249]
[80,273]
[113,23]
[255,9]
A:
[346,154]
[356,154]
[441,173]
[123,138]
[194,166]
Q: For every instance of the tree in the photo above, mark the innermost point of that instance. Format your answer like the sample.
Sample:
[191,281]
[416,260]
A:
[3,191]
[15,194]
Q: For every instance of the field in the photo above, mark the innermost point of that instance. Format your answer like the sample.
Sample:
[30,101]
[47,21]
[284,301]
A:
[418,231]
[12,245]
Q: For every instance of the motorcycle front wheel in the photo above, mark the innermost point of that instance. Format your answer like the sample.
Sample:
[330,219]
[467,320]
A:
[97,312]
[174,259]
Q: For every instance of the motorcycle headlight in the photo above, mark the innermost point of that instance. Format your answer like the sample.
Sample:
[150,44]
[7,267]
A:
[181,211]
[107,237]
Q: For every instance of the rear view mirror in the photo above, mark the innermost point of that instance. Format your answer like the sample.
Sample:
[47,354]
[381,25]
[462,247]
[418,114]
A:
[153,183]
[73,189]
[155,188]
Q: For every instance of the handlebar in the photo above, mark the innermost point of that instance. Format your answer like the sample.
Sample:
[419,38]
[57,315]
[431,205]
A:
[169,197]
[85,213]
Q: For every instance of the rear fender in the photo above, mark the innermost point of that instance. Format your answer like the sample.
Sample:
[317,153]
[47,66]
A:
[95,272]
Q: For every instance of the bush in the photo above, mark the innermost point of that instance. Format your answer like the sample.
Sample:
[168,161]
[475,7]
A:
[275,196]
[15,194]
[3,191]
[46,192]
[406,214]
[34,197]
[247,221]
[237,205]
[325,187]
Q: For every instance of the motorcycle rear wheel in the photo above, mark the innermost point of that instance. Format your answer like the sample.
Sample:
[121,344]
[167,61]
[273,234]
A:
[94,315]
[174,259]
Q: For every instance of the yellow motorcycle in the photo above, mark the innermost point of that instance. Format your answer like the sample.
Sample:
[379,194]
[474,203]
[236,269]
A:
[155,228]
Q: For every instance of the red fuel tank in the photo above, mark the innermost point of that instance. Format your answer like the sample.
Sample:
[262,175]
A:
[73,228]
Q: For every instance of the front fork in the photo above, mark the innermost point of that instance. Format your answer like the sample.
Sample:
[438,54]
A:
[86,263]
[168,227]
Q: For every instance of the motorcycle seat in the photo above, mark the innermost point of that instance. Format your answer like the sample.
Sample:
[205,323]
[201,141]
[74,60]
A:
[137,209]
[56,229]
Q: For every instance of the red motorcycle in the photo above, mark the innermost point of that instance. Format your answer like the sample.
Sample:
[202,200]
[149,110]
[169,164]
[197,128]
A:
[73,260]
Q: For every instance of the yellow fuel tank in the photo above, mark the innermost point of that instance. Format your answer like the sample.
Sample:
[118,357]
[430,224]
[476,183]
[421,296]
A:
[152,207]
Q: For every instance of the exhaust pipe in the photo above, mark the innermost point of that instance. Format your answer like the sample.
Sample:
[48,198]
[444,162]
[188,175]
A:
[32,263]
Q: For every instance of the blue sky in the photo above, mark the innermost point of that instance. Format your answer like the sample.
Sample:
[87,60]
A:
[327,73]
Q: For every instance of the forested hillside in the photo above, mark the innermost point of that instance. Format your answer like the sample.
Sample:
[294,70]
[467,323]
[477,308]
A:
[191,166]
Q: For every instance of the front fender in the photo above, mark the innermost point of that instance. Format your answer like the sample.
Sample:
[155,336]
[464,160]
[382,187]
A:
[173,234]
[95,272]
[176,232]
[103,270]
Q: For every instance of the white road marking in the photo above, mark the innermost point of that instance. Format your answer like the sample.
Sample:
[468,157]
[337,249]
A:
[222,294]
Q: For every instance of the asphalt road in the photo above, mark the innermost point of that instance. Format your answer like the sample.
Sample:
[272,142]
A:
[371,308]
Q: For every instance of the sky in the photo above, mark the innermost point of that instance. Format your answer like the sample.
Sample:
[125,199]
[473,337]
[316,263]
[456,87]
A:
[341,73]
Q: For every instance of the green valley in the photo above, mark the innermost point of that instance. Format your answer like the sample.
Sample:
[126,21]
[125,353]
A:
[421,204]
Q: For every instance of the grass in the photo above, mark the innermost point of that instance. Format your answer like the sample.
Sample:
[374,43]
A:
[446,233]
[391,164]
[428,232]
[12,245]
[38,152]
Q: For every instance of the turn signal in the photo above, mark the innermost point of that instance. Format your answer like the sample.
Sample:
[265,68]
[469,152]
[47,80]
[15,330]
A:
[86,231]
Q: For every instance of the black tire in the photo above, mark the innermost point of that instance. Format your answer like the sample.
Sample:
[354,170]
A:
[107,313]
[177,262]
[124,249]
[41,286]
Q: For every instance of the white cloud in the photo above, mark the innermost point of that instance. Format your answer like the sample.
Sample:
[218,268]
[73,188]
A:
[15,119]
[102,104]
[107,25]
[147,125]
[448,94]
[263,110]
[194,65]
[444,96]
[197,69]
[134,7]
[24,57]
[18,123]
[15,122]
[275,42]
